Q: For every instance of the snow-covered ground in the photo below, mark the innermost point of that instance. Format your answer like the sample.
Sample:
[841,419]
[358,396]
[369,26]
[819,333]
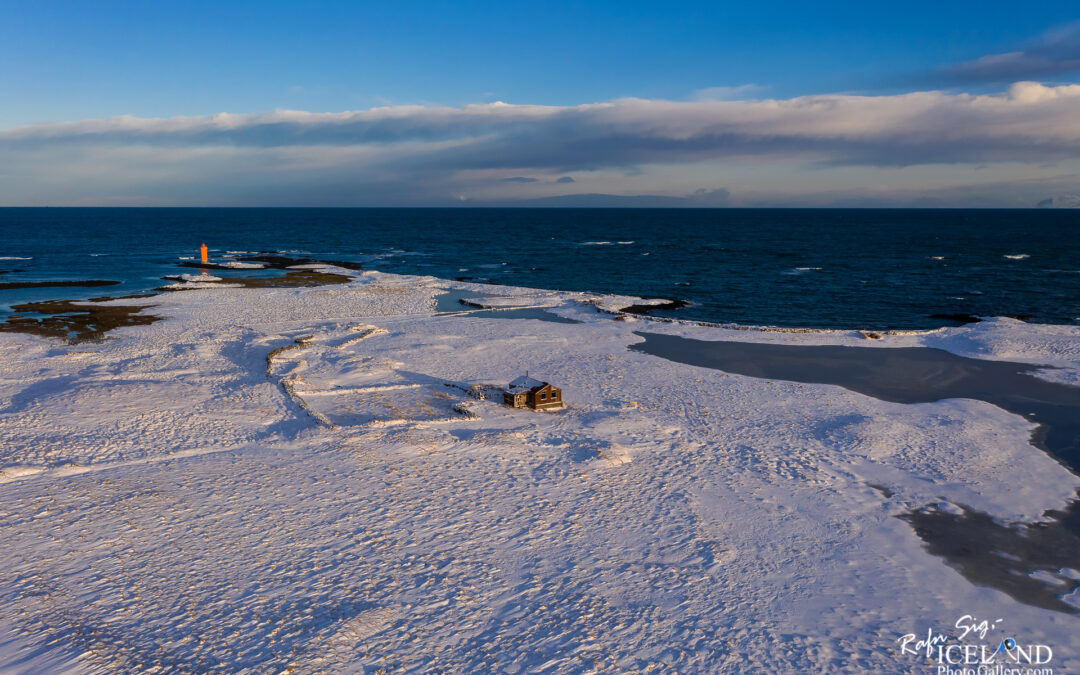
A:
[312,479]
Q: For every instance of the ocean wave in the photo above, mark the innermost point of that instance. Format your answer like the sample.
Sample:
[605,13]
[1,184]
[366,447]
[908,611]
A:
[795,271]
[396,253]
[192,277]
[606,243]
[243,266]
[15,257]
[1016,256]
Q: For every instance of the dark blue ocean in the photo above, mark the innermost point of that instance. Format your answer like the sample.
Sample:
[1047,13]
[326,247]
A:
[873,269]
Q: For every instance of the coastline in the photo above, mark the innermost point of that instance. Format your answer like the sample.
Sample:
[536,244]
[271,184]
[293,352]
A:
[664,495]
[790,268]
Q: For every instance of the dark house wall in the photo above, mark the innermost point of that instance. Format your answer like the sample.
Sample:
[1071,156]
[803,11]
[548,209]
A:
[546,397]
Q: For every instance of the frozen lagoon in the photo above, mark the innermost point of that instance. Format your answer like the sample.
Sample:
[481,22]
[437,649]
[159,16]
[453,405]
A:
[1028,561]
[174,496]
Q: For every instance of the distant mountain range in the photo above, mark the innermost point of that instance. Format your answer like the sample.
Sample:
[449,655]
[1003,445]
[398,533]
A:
[701,198]
[1061,202]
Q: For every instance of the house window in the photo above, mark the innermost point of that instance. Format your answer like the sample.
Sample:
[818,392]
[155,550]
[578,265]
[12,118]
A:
[543,397]
[554,393]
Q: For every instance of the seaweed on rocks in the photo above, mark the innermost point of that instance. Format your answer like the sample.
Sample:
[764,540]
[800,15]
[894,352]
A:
[648,309]
[88,283]
[74,321]
[291,279]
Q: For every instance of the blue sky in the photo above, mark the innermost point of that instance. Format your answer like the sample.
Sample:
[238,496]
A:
[78,61]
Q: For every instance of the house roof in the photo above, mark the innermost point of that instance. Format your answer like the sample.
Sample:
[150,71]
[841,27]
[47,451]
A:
[524,383]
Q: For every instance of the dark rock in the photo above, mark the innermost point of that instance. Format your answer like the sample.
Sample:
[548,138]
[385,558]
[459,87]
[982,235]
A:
[88,283]
[648,309]
[960,318]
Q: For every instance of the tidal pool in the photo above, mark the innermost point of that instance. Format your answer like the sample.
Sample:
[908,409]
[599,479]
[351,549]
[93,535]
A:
[453,302]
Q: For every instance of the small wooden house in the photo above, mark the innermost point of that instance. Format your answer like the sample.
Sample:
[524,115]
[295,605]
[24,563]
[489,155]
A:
[525,392]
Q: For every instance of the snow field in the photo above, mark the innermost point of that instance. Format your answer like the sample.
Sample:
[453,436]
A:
[190,496]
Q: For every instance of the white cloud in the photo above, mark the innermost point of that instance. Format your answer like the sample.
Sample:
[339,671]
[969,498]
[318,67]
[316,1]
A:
[413,153]
[1055,53]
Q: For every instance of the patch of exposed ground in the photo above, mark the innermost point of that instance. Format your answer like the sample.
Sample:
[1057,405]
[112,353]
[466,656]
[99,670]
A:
[74,321]
[279,262]
[88,283]
[291,279]
[647,309]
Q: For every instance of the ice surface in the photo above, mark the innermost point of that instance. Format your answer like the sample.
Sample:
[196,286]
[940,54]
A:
[312,478]
[197,277]
[236,265]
